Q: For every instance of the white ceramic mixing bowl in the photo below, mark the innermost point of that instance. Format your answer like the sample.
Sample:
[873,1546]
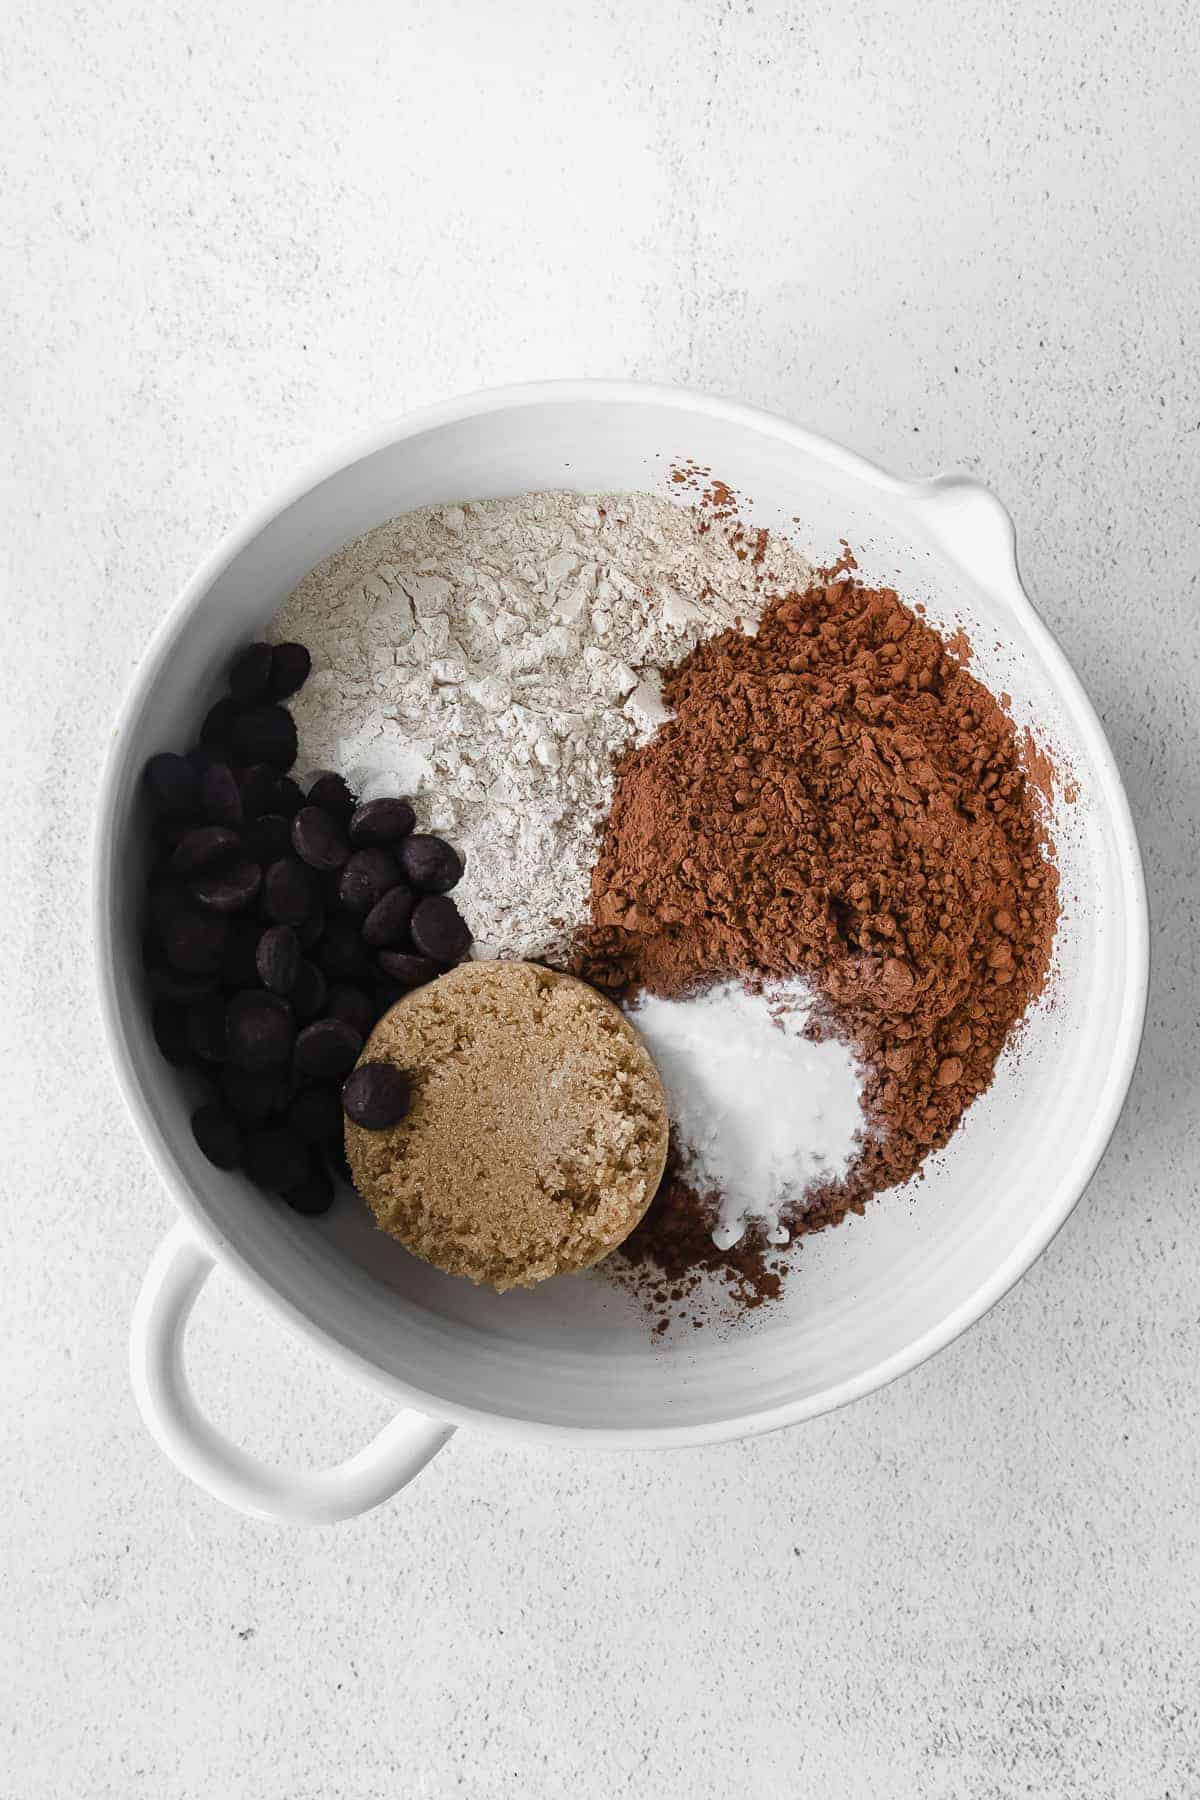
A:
[574,1361]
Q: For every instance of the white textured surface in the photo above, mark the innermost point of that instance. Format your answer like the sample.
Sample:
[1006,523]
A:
[952,234]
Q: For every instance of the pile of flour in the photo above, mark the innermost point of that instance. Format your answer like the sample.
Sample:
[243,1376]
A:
[489,660]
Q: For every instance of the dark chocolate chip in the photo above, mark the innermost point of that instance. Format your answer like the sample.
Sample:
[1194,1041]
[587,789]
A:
[167,896]
[439,929]
[202,758]
[239,966]
[278,958]
[195,942]
[340,952]
[385,992]
[290,664]
[376,1096]
[205,847]
[315,1114]
[339,1165]
[228,890]
[276,1158]
[220,795]
[260,1031]
[409,971]
[430,863]
[173,786]
[206,1029]
[310,931]
[381,822]
[220,724]
[291,796]
[254,1098]
[266,838]
[168,1021]
[250,671]
[289,892]
[265,734]
[172,984]
[386,925]
[219,1135]
[351,1004]
[260,790]
[308,995]
[318,839]
[331,794]
[313,1195]
[365,879]
[327,1048]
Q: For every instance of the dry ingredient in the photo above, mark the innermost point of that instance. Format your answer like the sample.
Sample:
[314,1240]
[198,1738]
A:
[838,798]
[760,1112]
[535,1131]
[489,660]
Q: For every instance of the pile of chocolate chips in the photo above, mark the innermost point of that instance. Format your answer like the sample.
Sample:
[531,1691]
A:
[279,926]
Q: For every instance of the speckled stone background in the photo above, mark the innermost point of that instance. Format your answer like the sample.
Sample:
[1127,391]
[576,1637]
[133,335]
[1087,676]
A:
[952,233]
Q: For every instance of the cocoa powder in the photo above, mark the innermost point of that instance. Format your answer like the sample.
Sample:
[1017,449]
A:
[835,797]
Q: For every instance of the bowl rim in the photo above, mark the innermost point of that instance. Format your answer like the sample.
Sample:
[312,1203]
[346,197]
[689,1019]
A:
[988,1292]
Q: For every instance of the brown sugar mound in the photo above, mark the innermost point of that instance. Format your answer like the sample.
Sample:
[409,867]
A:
[836,797]
[537,1132]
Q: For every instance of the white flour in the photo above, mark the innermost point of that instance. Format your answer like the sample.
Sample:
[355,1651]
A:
[760,1113]
[488,660]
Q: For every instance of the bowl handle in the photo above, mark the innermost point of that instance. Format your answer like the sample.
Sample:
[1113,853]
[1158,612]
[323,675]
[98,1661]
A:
[976,530]
[296,1497]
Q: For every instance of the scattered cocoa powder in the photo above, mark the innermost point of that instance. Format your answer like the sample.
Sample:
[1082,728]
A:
[836,797]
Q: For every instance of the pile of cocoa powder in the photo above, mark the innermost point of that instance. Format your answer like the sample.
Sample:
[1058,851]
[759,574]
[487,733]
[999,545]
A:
[836,797]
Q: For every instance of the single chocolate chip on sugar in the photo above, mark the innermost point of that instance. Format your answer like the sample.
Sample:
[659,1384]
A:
[315,1114]
[260,1031]
[331,794]
[254,1098]
[205,847]
[351,1004]
[250,671]
[168,1021]
[173,786]
[220,795]
[381,822]
[308,995]
[266,838]
[314,1195]
[340,952]
[277,958]
[430,863]
[290,664]
[376,1096]
[410,971]
[327,1048]
[276,1159]
[439,929]
[206,1030]
[228,890]
[220,723]
[219,1135]
[386,925]
[365,879]
[265,734]
[195,942]
[318,839]
[289,892]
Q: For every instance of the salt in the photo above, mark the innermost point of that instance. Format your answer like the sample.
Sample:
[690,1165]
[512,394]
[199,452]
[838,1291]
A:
[760,1111]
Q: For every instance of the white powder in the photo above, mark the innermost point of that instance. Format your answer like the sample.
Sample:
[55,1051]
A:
[488,660]
[759,1112]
